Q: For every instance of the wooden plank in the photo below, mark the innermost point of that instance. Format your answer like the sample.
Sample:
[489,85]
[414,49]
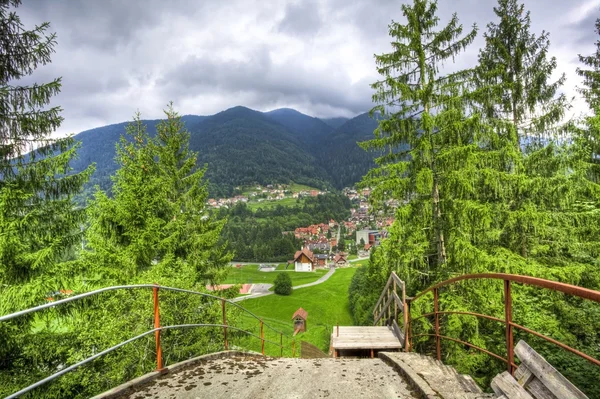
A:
[505,384]
[548,375]
[399,333]
[539,391]
[523,375]
[387,285]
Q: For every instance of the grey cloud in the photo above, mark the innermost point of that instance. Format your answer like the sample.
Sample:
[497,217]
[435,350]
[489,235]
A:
[116,56]
[266,80]
[301,19]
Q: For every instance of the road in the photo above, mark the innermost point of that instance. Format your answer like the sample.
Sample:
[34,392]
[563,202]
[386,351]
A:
[262,292]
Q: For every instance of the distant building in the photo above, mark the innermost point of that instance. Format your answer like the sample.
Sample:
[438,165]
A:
[340,259]
[372,237]
[304,261]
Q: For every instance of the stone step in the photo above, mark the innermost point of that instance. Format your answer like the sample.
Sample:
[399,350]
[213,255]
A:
[431,378]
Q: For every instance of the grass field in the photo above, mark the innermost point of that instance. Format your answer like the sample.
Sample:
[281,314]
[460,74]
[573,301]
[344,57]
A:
[326,304]
[266,204]
[250,274]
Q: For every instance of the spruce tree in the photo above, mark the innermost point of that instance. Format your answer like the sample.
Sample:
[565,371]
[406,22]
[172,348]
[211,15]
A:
[544,186]
[422,108]
[156,227]
[39,222]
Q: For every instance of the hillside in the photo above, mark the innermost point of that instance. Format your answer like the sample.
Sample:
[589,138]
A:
[308,129]
[346,161]
[242,147]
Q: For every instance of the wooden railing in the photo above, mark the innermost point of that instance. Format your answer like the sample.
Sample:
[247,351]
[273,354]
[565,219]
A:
[385,313]
[390,305]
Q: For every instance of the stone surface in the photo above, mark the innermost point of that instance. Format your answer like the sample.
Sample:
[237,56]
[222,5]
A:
[257,377]
[432,378]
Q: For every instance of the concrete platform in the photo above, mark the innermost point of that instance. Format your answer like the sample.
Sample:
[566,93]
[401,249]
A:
[255,377]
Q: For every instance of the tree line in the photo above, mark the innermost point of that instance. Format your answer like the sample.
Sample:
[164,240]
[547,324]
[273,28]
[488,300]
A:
[496,178]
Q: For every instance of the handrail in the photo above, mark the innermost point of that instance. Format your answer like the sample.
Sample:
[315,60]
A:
[581,292]
[540,282]
[156,330]
[115,347]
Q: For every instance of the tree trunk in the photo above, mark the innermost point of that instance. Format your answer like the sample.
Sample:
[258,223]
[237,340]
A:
[437,216]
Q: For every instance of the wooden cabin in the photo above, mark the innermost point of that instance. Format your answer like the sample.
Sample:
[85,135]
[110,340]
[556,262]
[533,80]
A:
[299,319]
[304,261]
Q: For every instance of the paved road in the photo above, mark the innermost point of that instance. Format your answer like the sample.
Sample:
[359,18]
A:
[266,292]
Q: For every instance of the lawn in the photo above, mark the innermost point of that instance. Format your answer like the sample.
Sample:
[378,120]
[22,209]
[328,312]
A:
[250,274]
[326,304]
[266,204]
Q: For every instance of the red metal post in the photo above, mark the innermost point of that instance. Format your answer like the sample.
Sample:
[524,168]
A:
[224,324]
[406,314]
[262,338]
[438,348]
[509,328]
[159,364]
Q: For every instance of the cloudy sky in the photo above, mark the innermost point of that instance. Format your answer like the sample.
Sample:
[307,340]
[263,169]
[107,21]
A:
[119,56]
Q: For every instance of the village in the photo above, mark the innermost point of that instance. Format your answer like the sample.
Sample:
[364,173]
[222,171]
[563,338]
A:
[334,244]
[270,193]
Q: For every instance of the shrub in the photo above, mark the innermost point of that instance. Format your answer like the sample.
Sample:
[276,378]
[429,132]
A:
[283,284]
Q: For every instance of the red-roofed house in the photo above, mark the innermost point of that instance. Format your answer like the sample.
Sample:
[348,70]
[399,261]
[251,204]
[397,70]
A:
[340,259]
[304,261]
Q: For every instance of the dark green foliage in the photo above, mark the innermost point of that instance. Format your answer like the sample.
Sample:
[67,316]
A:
[39,223]
[309,130]
[156,224]
[283,284]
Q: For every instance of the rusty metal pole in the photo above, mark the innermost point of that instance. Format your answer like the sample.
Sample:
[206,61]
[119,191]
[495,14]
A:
[224,324]
[262,338]
[509,329]
[159,364]
[280,344]
[438,348]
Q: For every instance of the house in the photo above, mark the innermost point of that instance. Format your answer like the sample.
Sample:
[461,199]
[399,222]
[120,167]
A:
[304,261]
[299,319]
[321,259]
[340,259]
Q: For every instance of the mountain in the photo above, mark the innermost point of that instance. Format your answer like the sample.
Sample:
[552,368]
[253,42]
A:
[240,146]
[308,129]
[335,122]
[346,162]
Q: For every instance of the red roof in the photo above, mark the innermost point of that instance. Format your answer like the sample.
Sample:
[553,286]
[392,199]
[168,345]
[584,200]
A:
[339,257]
[300,312]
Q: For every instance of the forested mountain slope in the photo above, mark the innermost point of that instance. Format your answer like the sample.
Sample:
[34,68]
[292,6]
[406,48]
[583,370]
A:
[243,146]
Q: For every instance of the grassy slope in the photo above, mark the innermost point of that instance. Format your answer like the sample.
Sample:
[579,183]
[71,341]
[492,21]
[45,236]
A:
[326,304]
[250,274]
[266,204]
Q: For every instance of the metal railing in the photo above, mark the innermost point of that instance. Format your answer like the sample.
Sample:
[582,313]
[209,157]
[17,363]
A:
[508,322]
[156,330]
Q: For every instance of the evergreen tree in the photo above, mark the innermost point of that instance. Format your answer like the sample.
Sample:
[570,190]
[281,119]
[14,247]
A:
[424,109]
[588,138]
[39,224]
[156,227]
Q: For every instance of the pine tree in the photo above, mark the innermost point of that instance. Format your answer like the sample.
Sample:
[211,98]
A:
[539,208]
[588,138]
[420,107]
[38,219]
[156,227]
